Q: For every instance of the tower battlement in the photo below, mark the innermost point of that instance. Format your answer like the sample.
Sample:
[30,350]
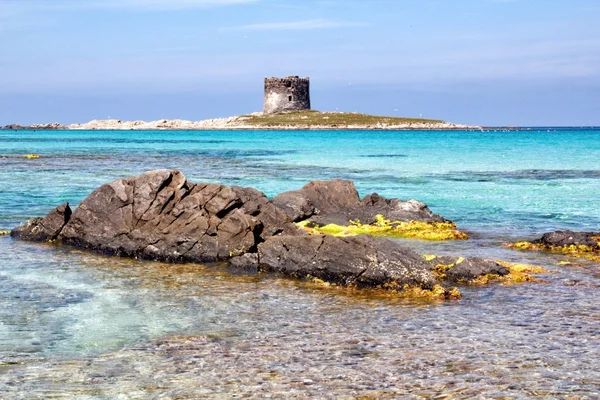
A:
[286,94]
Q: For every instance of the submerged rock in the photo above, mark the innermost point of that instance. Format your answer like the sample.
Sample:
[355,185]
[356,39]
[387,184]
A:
[159,215]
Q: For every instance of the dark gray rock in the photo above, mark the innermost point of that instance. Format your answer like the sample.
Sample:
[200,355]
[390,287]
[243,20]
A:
[14,127]
[296,205]
[468,268]
[338,202]
[248,262]
[363,261]
[568,238]
[50,126]
[44,229]
[159,215]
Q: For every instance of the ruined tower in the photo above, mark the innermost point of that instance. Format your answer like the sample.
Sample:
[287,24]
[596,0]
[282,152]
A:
[286,94]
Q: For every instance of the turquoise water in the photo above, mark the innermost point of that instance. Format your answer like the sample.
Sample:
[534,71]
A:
[79,325]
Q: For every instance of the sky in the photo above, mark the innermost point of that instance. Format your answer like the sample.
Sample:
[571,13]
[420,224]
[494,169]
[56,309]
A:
[484,62]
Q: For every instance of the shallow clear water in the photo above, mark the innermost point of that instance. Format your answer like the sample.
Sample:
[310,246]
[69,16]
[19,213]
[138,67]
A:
[80,325]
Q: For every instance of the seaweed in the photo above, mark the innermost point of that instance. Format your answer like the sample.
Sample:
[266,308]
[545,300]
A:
[434,231]
[578,251]
[518,273]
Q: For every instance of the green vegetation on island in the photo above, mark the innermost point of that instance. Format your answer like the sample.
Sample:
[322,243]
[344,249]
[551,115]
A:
[333,119]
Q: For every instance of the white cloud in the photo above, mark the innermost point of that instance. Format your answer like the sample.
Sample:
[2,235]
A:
[22,5]
[25,14]
[310,24]
[166,4]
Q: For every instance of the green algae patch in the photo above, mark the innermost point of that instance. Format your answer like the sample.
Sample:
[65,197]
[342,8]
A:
[578,251]
[434,231]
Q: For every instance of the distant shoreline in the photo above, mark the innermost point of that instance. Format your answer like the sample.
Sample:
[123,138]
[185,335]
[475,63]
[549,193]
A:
[304,120]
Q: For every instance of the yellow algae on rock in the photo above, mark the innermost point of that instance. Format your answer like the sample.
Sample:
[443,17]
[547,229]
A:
[518,273]
[440,269]
[319,281]
[436,231]
[389,290]
[4,233]
[437,292]
[524,246]
[31,156]
[579,251]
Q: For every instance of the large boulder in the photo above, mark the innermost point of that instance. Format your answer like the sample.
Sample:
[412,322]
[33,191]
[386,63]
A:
[337,202]
[160,215]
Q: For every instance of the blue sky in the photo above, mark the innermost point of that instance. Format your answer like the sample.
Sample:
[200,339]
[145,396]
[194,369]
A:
[490,62]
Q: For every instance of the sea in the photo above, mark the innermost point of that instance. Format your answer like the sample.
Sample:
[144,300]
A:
[75,325]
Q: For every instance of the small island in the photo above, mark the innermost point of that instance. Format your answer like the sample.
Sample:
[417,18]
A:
[287,120]
[287,106]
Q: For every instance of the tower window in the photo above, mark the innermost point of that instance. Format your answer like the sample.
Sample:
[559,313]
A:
[290,98]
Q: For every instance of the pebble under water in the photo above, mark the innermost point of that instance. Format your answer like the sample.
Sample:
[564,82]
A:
[80,325]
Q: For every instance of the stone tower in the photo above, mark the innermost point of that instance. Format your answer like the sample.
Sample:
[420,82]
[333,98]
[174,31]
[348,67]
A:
[286,94]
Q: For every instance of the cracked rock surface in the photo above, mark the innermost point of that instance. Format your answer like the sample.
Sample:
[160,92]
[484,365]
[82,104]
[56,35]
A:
[159,215]
[337,202]
[363,261]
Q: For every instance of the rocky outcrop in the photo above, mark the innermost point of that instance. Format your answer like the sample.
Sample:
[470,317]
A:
[338,202]
[50,126]
[569,238]
[44,229]
[13,127]
[160,215]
